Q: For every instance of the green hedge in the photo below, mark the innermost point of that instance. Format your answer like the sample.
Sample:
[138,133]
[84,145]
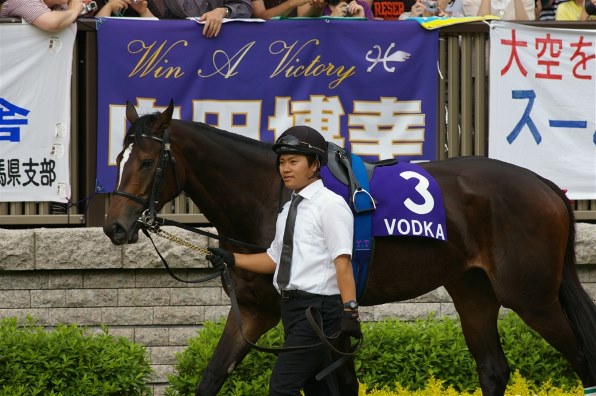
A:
[394,352]
[69,361]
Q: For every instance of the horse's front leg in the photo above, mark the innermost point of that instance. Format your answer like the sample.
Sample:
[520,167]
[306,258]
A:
[232,347]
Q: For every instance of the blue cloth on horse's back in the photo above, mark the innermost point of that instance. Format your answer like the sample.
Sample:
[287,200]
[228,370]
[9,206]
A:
[409,201]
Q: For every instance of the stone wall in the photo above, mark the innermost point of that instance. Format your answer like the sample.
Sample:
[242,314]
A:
[76,275]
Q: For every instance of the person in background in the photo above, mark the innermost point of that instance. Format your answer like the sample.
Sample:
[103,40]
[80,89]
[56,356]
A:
[429,8]
[48,15]
[124,8]
[314,8]
[573,10]
[547,9]
[421,9]
[267,9]
[211,13]
[310,262]
[453,8]
[351,9]
[317,8]
[511,10]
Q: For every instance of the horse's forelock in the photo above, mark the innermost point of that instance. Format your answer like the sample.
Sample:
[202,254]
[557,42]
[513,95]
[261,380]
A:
[142,126]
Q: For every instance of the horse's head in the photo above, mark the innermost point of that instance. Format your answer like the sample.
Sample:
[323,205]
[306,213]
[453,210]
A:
[146,174]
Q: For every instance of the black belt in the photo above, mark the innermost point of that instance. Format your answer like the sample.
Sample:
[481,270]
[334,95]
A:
[297,294]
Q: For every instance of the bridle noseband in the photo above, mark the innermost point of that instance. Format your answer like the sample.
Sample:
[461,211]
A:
[165,157]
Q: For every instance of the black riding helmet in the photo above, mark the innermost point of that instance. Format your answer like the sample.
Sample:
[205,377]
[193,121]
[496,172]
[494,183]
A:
[302,139]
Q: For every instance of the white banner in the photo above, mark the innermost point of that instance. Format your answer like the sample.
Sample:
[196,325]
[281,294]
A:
[543,103]
[35,71]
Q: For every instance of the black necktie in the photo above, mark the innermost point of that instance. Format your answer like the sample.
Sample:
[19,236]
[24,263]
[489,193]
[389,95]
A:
[285,261]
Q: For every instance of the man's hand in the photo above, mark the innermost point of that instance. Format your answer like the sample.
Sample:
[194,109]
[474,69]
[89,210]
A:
[213,21]
[350,325]
[112,7]
[76,5]
[220,257]
[142,8]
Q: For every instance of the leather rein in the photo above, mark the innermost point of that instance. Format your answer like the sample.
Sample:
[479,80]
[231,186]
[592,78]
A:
[150,222]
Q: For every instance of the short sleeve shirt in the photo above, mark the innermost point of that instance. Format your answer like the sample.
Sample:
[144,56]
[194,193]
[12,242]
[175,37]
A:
[323,231]
[28,10]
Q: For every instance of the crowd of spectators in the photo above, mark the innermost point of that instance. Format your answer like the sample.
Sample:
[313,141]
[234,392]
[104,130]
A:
[55,15]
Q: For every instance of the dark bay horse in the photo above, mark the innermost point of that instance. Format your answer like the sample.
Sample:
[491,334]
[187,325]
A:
[510,243]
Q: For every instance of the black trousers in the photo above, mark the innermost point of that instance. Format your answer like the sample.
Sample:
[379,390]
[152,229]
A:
[296,370]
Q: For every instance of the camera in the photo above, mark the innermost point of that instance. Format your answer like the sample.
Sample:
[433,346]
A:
[590,8]
[346,9]
[431,6]
[89,7]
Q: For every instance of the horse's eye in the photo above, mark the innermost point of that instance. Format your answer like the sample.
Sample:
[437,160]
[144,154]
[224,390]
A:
[146,163]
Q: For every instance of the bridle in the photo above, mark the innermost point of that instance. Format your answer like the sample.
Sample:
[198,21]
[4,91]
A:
[165,158]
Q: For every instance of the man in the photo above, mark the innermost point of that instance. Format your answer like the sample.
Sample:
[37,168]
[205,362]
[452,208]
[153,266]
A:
[267,9]
[310,262]
[211,12]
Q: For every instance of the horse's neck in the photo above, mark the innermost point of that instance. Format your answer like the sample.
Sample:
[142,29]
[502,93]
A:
[234,184]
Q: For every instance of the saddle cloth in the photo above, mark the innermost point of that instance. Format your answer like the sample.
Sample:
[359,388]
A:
[408,199]
[395,199]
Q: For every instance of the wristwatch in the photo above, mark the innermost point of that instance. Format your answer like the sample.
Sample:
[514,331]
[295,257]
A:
[228,11]
[351,305]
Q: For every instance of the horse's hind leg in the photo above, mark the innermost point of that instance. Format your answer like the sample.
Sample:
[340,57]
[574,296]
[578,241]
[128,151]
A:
[551,323]
[478,309]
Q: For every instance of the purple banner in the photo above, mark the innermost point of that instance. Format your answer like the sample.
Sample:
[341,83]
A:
[368,86]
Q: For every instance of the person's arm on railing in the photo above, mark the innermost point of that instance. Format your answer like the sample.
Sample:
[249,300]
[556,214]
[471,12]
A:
[56,20]
[521,14]
[314,8]
[281,10]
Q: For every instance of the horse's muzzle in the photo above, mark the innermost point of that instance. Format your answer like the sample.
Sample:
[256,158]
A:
[119,235]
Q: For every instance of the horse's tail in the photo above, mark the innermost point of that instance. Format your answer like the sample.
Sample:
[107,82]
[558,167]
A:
[577,304]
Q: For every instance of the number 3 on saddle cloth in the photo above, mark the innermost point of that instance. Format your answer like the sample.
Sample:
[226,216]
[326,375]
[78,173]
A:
[388,199]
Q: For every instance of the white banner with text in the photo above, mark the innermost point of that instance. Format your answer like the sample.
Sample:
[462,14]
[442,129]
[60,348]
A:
[543,103]
[35,79]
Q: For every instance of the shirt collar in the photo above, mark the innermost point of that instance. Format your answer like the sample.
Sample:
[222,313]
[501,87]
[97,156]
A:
[310,190]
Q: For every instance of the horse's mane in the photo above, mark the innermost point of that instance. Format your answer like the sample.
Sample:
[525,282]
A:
[227,134]
[144,125]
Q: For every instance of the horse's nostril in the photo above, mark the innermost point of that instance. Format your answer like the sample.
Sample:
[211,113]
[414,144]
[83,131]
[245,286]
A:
[116,233]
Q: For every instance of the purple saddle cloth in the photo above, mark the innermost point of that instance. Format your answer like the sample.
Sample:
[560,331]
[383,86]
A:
[408,201]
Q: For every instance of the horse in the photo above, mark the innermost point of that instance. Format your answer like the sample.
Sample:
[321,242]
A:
[511,236]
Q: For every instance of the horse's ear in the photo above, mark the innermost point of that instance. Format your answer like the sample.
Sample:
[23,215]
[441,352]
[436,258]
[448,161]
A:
[131,112]
[163,121]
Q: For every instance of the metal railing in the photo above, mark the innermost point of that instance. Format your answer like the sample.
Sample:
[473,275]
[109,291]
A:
[463,107]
